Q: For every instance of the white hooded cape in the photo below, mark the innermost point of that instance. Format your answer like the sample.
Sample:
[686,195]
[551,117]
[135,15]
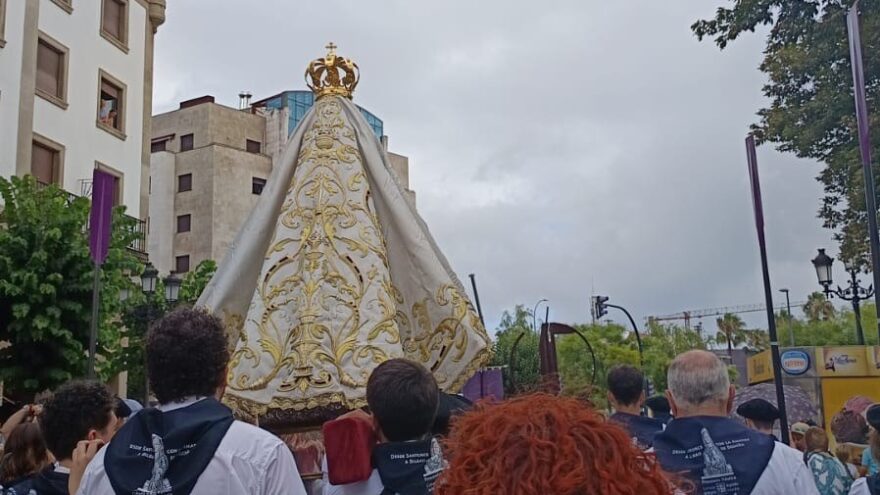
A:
[333,273]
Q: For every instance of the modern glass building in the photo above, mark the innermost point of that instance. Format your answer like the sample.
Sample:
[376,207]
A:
[299,103]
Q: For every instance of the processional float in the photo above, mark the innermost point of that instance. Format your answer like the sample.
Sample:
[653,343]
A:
[335,272]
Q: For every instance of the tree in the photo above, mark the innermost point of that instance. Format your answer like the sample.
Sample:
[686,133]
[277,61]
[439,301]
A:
[811,111]
[195,282]
[46,286]
[526,372]
[731,329]
[612,344]
[818,307]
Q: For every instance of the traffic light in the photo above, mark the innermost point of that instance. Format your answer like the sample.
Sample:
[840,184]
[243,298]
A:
[598,308]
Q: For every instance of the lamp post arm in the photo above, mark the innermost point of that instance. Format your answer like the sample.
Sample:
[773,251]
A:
[635,328]
[839,293]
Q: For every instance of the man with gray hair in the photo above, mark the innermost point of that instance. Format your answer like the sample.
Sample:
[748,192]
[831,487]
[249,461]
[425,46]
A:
[716,453]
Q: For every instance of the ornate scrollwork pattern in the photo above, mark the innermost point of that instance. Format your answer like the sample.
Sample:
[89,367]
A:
[326,311]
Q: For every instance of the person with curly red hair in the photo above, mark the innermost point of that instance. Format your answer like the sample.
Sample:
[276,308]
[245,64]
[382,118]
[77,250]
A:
[541,444]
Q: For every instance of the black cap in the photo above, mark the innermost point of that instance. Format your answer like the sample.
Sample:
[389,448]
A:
[872,415]
[122,410]
[758,410]
[658,404]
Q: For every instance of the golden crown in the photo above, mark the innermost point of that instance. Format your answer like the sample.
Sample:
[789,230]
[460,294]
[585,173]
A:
[332,75]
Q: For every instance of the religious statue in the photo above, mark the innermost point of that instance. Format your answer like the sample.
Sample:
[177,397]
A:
[333,273]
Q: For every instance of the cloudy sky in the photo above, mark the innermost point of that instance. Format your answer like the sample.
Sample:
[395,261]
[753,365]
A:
[556,148]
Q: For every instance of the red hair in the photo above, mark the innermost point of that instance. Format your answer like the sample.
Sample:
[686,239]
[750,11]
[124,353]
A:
[540,444]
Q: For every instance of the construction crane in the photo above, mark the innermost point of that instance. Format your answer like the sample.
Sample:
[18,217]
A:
[687,316]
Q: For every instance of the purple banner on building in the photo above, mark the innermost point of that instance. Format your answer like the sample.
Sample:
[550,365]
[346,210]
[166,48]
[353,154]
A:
[101,215]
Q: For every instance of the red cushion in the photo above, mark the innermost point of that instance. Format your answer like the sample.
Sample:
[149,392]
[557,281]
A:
[349,442]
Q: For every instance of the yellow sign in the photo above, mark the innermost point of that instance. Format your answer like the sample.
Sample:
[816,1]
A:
[873,360]
[842,361]
[760,368]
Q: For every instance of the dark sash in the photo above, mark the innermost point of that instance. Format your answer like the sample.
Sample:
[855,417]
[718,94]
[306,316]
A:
[409,468]
[873,484]
[641,428]
[47,482]
[165,453]
[719,455]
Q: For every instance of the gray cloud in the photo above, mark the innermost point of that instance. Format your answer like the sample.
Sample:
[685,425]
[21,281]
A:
[555,147]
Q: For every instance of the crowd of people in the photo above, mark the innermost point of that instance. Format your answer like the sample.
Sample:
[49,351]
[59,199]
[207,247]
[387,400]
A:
[417,440]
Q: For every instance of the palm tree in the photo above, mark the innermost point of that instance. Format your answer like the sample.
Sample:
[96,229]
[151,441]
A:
[730,328]
[818,308]
[756,340]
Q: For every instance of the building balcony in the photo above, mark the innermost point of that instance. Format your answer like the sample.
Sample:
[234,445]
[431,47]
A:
[139,246]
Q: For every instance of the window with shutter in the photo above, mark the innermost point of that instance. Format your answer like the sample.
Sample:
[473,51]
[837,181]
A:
[181,264]
[184,183]
[114,21]
[45,163]
[186,142]
[111,105]
[184,223]
[51,70]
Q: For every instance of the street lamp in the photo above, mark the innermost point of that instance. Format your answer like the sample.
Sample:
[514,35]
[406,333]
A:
[172,288]
[149,278]
[535,313]
[854,293]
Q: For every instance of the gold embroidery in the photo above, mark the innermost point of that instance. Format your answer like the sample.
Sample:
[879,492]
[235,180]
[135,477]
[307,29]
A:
[325,311]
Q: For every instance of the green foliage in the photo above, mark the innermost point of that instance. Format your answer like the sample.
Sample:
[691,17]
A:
[526,370]
[615,344]
[837,330]
[818,308]
[811,110]
[612,345]
[730,331]
[733,335]
[195,282]
[141,311]
[46,279]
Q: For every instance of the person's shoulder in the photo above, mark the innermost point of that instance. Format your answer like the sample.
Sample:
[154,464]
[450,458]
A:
[249,433]
[370,486]
[786,458]
[787,452]
[860,487]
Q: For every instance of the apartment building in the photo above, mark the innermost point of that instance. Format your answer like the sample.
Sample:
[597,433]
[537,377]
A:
[209,165]
[76,80]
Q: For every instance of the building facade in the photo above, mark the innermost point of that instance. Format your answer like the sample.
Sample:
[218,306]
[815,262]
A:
[208,168]
[76,81]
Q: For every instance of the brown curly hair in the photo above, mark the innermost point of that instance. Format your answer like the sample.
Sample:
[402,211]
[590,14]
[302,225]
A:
[541,444]
[186,355]
[24,454]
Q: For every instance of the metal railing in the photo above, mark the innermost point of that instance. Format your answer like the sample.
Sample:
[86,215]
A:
[139,245]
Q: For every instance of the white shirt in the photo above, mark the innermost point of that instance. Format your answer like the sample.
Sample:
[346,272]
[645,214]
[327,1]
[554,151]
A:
[786,474]
[860,487]
[248,460]
[372,486]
